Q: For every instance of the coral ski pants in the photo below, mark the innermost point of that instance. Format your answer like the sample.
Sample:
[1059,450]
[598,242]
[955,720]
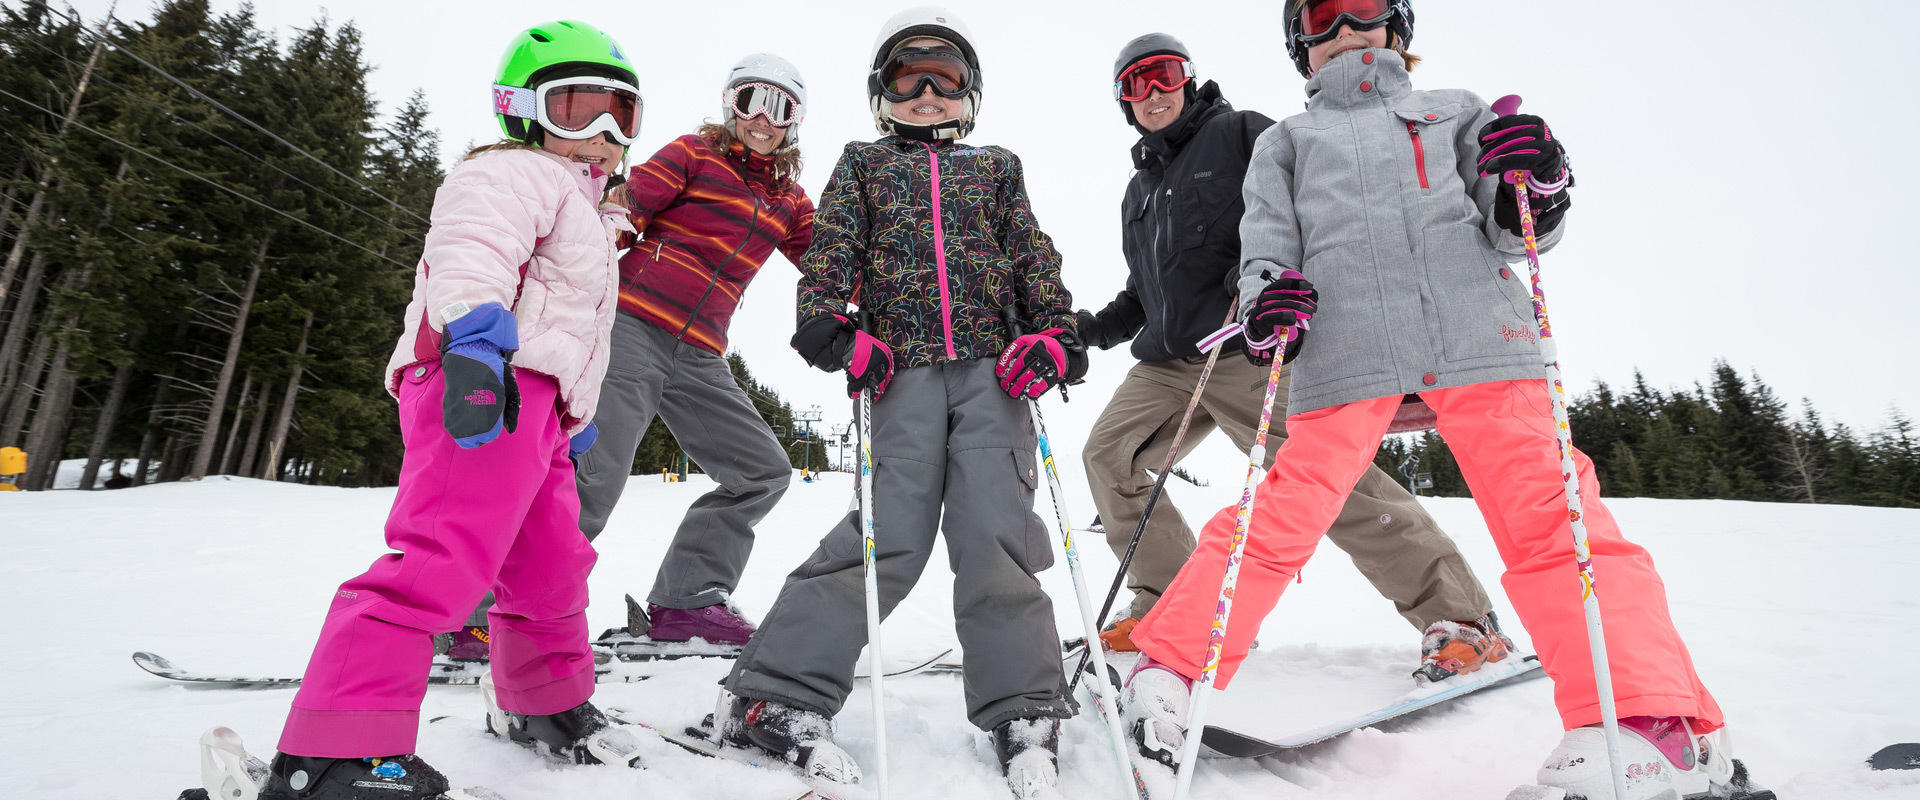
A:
[1502,434]
[502,516]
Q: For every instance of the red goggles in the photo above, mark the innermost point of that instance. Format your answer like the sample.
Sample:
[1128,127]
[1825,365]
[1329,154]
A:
[1167,73]
[1322,18]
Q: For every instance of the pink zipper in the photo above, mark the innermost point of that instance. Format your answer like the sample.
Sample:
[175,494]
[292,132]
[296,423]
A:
[1419,152]
[940,253]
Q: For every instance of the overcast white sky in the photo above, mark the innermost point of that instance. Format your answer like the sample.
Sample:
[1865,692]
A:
[1746,170]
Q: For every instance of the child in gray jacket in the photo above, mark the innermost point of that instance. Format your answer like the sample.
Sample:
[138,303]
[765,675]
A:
[1391,200]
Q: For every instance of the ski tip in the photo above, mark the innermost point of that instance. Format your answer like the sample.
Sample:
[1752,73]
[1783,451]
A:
[1506,105]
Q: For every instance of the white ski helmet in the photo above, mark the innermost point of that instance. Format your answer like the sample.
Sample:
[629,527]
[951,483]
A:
[914,23]
[764,68]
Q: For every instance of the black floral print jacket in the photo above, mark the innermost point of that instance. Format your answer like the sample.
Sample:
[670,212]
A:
[934,240]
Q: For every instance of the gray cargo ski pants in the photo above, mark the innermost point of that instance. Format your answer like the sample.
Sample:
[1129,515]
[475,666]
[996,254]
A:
[945,436]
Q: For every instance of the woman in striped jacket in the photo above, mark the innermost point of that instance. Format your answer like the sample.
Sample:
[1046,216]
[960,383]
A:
[711,207]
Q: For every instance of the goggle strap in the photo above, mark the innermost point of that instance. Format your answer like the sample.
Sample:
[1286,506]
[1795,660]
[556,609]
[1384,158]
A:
[515,101]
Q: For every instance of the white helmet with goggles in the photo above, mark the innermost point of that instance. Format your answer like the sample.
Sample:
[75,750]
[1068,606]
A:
[767,86]
[900,74]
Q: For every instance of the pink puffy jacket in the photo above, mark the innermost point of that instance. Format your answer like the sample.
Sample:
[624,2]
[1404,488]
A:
[522,228]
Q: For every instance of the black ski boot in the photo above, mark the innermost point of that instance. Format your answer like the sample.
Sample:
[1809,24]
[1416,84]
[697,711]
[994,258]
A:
[582,734]
[1029,752]
[799,737]
[309,778]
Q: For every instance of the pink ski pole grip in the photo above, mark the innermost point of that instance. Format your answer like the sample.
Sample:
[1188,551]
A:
[1506,105]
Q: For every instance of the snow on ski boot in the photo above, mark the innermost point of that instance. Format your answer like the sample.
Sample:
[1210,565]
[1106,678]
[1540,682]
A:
[798,737]
[403,777]
[1155,702]
[719,623]
[1029,753]
[1455,648]
[582,734]
[471,643]
[1664,759]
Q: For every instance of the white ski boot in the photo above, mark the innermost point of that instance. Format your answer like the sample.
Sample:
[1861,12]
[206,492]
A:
[1029,755]
[1155,703]
[1664,760]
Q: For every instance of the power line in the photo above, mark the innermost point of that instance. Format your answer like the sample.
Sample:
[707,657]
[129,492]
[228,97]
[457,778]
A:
[215,184]
[250,154]
[121,47]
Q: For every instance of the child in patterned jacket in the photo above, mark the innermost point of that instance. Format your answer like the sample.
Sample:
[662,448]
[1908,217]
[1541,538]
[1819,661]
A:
[933,240]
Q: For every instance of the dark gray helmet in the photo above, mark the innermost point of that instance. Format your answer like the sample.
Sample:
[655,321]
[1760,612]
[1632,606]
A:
[1152,44]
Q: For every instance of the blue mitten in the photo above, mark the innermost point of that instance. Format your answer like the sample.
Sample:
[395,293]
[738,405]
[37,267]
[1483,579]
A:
[477,357]
[583,441]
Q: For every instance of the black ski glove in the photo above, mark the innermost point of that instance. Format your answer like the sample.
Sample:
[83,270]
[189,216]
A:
[1287,302]
[819,341]
[1523,142]
[1095,332]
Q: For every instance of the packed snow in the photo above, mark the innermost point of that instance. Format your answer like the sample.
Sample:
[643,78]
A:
[1802,619]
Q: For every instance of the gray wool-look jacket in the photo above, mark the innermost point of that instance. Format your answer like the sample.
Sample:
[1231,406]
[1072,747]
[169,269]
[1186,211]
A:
[1374,195]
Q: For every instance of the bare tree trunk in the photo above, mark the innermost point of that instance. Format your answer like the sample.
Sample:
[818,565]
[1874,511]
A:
[20,323]
[233,434]
[103,430]
[153,431]
[209,437]
[46,172]
[16,419]
[167,460]
[246,466]
[285,420]
[1802,465]
[6,205]
[48,435]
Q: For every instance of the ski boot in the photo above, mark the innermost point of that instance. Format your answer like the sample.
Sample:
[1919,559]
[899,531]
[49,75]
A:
[471,643]
[798,737]
[1029,753]
[1155,703]
[1664,759]
[1118,636]
[582,734]
[719,623]
[1455,648]
[230,773]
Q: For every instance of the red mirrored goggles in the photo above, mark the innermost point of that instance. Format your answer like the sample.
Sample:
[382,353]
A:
[1167,73]
[1322,18]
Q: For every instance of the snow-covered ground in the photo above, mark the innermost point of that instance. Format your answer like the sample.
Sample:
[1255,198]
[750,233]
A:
[1802,619]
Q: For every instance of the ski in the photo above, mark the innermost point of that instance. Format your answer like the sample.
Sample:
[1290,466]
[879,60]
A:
[1898,756]
[1231,738]
[703,740]
[445,673]
[627,647]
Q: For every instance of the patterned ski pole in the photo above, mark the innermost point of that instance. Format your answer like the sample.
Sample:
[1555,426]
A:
[874,667]
[1159,485]
[1136,788]
[1569,473]
[1243,517]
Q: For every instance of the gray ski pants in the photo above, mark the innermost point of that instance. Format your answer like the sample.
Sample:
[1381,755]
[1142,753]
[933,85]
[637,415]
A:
[944,436]
[1391,539]
[650,372]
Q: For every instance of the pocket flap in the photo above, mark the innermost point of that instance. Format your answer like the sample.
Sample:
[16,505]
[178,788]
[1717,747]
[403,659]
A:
[1026,464]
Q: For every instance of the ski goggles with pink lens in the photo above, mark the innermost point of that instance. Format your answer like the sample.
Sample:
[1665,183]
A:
[765,100]
[1166,72]
[1321,19]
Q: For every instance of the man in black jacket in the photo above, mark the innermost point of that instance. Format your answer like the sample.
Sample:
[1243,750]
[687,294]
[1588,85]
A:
[1180,224]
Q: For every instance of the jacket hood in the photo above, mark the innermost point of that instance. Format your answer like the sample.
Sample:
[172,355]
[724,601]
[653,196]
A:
[1360,77]
[1159,147]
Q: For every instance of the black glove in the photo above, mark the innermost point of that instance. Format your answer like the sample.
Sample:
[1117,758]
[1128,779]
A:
[1523,142]
[1286,302]
[824,341]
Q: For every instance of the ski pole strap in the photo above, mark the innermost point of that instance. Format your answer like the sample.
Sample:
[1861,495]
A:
[1217,337]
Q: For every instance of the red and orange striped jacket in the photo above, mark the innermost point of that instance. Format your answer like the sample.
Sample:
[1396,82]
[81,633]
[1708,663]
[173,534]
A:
[709,222]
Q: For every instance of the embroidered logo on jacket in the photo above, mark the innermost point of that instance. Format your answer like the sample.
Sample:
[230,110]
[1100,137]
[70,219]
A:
[1511,333]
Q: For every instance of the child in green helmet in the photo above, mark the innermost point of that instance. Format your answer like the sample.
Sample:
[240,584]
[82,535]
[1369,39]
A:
[497,376]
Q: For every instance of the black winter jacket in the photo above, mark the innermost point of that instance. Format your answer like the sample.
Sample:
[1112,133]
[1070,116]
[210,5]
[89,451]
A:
[1180,226]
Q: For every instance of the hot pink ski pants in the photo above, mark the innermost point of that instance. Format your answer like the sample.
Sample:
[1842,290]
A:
[503,516]
[1502,434]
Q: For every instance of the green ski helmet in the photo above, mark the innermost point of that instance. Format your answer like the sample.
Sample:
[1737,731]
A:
[548,51]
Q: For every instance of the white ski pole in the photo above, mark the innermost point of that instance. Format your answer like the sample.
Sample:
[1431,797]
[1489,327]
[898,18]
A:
[1217,638]
[1576,516]
[1129,777]
[874,667]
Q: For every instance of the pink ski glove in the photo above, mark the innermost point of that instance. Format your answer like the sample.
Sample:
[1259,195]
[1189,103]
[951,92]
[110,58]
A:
[1039,361]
